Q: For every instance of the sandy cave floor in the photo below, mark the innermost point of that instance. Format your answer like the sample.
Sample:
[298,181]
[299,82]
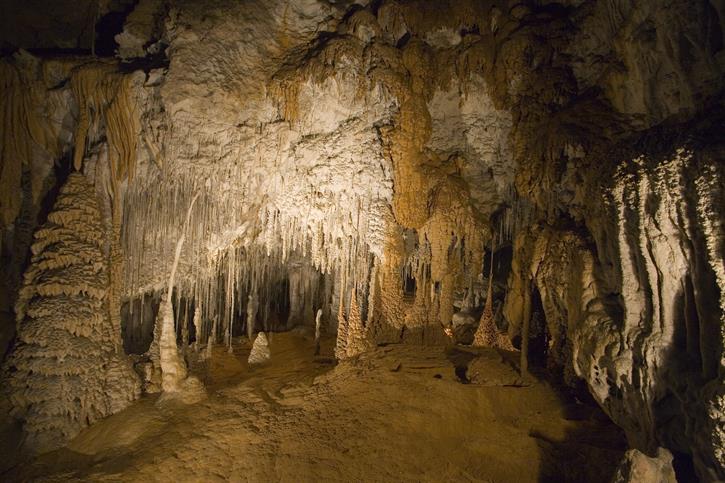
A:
[398,413]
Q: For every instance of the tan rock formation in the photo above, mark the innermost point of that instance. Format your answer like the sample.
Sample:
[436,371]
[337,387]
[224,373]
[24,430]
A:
[63,373]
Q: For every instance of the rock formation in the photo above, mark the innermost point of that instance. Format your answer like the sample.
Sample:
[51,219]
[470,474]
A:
[637,467]
[252,307]
[360,157]
[197,328]
[260,350]
[64,373]
[318,322]
[356,335]
[487,334]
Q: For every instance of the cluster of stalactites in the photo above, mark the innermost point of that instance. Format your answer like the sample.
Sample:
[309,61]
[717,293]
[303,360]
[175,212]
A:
[516,213]
[105,96]
[221,304]
[219,224]
[236,250]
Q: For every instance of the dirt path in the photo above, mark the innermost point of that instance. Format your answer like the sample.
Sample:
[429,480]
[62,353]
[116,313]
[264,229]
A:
[399,413]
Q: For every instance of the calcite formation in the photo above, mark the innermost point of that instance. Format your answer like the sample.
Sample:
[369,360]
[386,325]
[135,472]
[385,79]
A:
[64,371]
[260,350]
[360,159]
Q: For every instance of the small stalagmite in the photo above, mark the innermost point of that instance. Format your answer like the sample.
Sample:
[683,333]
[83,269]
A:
[260,350]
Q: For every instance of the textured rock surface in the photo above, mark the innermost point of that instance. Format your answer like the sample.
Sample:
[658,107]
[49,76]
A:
[63,373]
[360,158]
[637,467]
[260,350]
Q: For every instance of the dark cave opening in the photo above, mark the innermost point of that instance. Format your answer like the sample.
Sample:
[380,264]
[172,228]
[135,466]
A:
[538,332]
[684,467]
[409,286]
[106,29]
[138,317]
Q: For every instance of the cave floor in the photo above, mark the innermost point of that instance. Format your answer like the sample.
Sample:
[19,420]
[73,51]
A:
[398,413]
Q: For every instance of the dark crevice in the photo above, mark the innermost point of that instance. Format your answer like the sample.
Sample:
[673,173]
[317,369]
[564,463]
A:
[107,27]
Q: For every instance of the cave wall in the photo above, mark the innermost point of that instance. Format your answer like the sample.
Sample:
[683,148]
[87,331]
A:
[633,300]
[387,145]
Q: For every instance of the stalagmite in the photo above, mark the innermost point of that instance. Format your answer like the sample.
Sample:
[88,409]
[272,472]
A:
[63,372]
[487,334]
[212,338]
[152,370]
[342,331]
[318,321]
[197,328]
[356,336]
[260,350]
[174,376]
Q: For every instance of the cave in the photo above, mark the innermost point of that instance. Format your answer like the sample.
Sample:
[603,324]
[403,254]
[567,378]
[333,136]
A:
[352,240]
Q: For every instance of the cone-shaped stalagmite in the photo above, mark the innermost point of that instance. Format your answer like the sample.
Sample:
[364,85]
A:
[487,335]
[63,372]
[260,350]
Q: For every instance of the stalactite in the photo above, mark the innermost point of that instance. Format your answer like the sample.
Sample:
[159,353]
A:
[15,149]
[22,126]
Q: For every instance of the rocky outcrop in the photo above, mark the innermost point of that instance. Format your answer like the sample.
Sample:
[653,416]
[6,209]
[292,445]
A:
[638,467]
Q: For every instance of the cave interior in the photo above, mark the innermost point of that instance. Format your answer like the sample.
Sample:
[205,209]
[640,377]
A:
[352,240]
